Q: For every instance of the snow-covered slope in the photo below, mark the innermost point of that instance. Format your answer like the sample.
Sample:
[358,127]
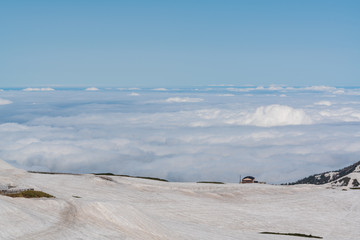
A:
[114,207]
[339,177]
[10,176]
[351,180]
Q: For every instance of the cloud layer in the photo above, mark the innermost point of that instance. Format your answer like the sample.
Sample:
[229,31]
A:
[38,89]
[275,115]
[204,135]
[92,89]
[183,100]
[5,101]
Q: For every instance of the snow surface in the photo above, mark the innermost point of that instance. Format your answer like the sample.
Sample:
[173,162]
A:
[355,175]
[129,208]
[331,175]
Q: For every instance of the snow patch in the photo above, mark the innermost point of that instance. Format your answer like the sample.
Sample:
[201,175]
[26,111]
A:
[331,175]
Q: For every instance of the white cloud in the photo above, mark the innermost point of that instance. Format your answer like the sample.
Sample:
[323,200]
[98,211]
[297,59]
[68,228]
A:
[38,89]
[226,95]
[353,92]
[221,85]
[273,115]
[340,91]
[5,101]
[134,94]
[345,114]
[275,139]
[258,88]
[275,88]
[159,89]
[320,88]
[240,89]
[92,89]
[183,100]
[128,88]
[12,127]
[323,103]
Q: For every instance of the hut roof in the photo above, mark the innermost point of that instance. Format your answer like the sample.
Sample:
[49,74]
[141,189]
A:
[250,177]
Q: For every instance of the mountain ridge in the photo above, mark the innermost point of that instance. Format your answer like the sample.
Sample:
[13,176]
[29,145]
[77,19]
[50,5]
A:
[346,177]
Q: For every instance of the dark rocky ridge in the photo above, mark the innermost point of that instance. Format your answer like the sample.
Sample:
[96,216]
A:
[330,176]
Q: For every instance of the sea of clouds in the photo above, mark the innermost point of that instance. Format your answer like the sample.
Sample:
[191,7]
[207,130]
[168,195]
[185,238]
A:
[277,134]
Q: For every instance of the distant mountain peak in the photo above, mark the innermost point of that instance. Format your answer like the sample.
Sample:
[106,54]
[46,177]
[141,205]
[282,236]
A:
[345,177]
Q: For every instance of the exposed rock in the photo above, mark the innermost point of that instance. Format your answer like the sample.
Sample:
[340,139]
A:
[345,177]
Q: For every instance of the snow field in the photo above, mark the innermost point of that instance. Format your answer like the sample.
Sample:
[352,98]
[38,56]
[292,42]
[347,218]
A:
[129,208]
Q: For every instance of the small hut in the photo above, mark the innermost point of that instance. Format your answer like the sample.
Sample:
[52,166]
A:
[248,179]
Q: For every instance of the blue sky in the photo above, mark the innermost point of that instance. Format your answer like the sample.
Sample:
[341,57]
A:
[179,43]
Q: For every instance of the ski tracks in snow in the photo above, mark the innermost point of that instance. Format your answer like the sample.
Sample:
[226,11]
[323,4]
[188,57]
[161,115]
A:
[67,215]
